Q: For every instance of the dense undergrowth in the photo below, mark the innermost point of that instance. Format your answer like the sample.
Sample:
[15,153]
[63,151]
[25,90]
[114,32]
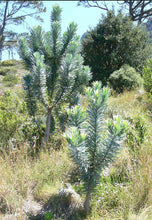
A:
[29,179]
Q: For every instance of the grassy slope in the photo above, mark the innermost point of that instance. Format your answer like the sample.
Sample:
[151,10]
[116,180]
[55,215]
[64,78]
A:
[17,69]
[26,183]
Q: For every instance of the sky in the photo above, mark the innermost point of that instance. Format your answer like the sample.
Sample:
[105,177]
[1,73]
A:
[85,18]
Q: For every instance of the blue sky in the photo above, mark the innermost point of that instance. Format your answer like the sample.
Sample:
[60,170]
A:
[83,17]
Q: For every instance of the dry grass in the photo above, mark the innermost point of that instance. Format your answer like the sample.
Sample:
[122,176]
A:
[23,179]
[145,214]
[131,104]
[19,71]
[128,103]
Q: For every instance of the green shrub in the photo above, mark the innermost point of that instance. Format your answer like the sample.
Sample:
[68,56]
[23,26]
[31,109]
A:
[147,76]
[33,132]
[7,63]
[10,80]
[126,78]
[137,131]
[48,216]
[4,70]
[10,117]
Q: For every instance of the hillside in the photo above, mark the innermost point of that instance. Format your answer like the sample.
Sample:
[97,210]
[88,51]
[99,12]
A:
[30,177]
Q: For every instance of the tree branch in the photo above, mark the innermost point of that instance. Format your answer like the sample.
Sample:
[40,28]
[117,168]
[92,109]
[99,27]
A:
[142,13]
[4,19]
[23,16]
[136,9]
[137,5]
[15,10]
[95,4]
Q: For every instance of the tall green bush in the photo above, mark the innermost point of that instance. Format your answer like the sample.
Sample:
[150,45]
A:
[93,141]
[115,41]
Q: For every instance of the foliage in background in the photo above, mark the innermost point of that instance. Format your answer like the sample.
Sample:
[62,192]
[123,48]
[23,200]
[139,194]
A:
[107,47]
[9,67]
[126,78]
[8,63]
[137,132]
[148,26]
[94,142]
[57,71]
[16,126]
[5,70]
[32,132]
[147,75]
[10,80]
[10,117]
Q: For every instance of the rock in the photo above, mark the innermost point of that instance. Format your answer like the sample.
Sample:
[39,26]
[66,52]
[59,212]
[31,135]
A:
[72,197]
[66,204]
[140,92]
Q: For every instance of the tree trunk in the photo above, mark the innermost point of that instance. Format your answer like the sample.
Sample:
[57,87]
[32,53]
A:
[12,53]
[87,202]
[48,125]
[9,54]
[2,28]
